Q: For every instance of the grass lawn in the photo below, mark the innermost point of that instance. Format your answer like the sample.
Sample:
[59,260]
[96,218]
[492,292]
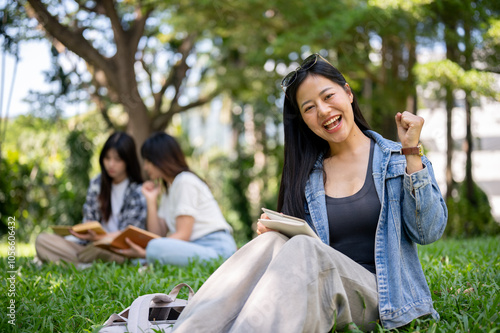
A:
[463,275]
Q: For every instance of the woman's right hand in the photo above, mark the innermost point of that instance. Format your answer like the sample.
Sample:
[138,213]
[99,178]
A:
[90,236]
[134,251]
[150,190]
[262,228]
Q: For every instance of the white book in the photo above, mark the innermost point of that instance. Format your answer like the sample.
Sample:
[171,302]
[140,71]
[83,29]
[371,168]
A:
[287,225]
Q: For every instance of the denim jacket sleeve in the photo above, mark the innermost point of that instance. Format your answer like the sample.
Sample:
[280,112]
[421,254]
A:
[424,210]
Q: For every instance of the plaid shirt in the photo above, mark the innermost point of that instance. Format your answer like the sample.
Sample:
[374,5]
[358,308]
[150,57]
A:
[133,212]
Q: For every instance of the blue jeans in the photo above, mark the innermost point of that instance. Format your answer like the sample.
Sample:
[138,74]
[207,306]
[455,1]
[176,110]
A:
[169,251]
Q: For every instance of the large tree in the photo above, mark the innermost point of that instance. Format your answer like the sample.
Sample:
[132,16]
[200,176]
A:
[137,52]
[135,56]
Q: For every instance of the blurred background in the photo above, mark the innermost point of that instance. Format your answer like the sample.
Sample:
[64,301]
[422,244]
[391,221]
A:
[209,72]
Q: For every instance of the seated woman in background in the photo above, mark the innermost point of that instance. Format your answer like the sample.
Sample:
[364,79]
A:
[114,198]
[188,217]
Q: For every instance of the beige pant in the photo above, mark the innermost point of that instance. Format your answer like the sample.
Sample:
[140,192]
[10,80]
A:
[50,247]
[275,284]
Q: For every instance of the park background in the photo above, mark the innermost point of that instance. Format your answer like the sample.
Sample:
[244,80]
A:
[209,72]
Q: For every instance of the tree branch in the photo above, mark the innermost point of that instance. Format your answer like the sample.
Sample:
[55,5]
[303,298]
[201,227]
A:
[116,24]
[180,69]
[137,29]
[98,100]
[197,103]
[176,76]
[98,9]
[488,70]
[99,80]
[148,71]
[160,122]
[158,98]
[74,41]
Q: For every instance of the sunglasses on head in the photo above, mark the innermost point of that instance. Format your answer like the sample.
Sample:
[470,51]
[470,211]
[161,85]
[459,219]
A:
[306,64]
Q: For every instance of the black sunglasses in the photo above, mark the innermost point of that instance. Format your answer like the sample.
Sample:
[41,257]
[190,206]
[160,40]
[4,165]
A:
[306,64]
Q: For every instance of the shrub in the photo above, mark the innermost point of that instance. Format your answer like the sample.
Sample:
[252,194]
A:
[36,197]
[466,218]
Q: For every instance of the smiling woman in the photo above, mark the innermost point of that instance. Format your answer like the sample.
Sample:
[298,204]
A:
[368,202]
[317,97]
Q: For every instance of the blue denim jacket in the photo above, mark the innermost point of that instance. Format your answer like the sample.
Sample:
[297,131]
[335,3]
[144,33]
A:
[406,218]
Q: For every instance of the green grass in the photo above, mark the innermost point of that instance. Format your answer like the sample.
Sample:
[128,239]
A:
[464,278]
[463,275]
[22,250]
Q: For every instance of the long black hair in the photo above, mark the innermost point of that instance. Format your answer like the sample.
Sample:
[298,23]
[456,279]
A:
[302,146]
[164,152]
[125,147]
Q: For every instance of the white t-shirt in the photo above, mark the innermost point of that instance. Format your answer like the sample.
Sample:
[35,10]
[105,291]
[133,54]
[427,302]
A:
[189,195]
[117,196]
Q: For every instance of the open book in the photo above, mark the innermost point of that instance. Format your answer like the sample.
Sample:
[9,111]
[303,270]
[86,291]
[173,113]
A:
[139,236]
[82,228]
[287,225]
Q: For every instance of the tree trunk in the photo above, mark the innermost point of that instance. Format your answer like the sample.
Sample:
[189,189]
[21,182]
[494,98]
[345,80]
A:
[139,124]
[451,54]
[367,96]
[469,181]
[467,65]
[449,143]
[387,92]
[411,99]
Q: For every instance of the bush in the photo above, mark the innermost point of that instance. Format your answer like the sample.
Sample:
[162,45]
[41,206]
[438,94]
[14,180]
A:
[23,195]
[13,179]
[37,198]
[75,177]
[466,218]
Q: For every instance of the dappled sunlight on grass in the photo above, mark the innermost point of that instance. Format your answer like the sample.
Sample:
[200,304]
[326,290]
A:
[22,249]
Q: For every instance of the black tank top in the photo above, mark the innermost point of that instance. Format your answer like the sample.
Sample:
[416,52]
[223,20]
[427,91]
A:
[353,221]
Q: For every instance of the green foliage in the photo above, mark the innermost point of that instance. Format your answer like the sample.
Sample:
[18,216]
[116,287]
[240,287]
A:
[462,275]
[23,195]
[230,179]
[493,31]
[234,185]
[44,175]
[14,178]
[345,32]
[449,74]
[491,50]
[469,219]
[76,175]
[445,72]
